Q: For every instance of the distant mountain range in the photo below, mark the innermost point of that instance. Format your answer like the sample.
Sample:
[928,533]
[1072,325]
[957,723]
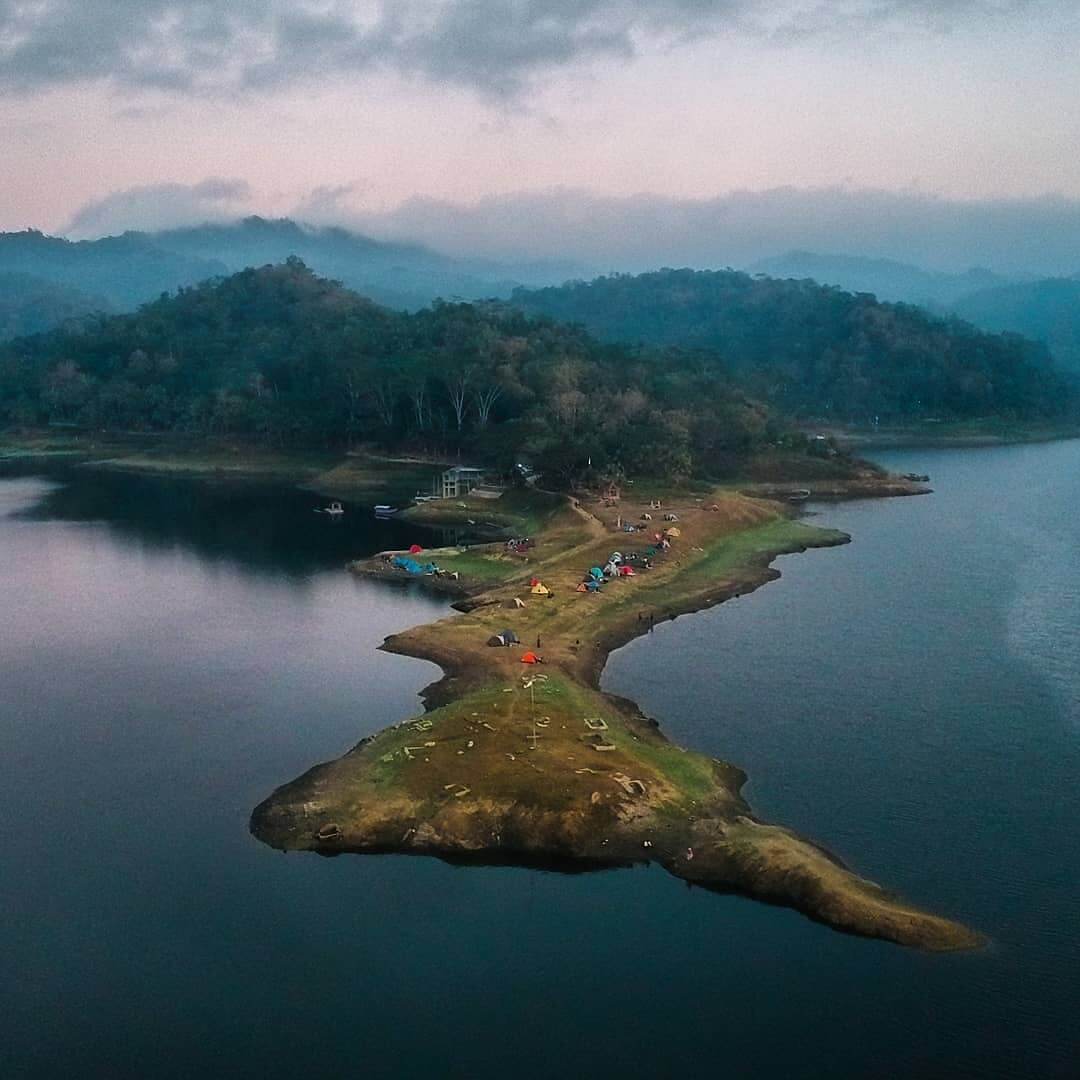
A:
[895,282]
[29,305]
[1047,310]
[812,350]
[45,280]
[119,273]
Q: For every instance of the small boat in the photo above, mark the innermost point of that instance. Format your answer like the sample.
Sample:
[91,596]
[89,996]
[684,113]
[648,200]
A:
[799,495]
[334,509]
[385,511]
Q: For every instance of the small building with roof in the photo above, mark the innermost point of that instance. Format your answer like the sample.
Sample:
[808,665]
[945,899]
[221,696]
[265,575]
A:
[460,480]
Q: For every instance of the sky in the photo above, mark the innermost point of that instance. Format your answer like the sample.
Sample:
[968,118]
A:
[456,120]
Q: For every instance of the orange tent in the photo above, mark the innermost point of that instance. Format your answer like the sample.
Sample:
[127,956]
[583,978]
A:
[529,658]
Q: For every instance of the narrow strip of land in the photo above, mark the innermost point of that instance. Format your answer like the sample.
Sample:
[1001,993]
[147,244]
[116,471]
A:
[532,764]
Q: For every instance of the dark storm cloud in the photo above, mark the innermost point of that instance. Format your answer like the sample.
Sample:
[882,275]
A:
[493,46]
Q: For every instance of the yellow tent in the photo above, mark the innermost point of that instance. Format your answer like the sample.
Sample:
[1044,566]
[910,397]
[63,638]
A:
[540,589]
[672,531]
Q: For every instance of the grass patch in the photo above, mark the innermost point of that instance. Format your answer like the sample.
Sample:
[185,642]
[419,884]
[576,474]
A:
[690,774]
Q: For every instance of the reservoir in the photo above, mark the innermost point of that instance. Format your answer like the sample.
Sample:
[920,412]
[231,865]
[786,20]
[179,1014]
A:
[171,651]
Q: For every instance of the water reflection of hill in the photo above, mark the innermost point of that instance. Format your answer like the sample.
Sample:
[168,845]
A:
[259,527]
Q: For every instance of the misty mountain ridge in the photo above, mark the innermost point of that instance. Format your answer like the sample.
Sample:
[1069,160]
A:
[123,270]
[30,305]
[816,350]
[1046,310]
[135,267]
[889,280]
[118,273]
[1043,309]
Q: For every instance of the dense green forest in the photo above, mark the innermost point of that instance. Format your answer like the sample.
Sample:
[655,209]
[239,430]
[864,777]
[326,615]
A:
[813,350]
[286,357]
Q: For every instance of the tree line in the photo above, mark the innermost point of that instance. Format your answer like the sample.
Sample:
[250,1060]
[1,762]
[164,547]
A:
[816,351]
[285,357]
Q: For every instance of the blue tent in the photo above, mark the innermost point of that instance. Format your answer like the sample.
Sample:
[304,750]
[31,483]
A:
[403,562]
[596,574]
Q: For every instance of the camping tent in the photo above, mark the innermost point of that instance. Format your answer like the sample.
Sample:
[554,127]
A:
[593,585]
[509,637]
[403,562]
[530,658]
[610,570]
[496,640]
[673,531]
[415,549]
[626,571]
[517,602]
[596,573]
[540,589]
[582,587]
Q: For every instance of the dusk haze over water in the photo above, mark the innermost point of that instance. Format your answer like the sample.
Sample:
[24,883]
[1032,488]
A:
[539,539]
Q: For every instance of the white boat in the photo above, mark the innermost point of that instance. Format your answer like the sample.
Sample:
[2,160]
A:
[382,510]
[335,509]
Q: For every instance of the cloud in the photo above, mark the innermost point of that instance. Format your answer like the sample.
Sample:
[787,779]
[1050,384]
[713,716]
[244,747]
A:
[1034,235]
[497,48]
[162,206]
[1025,235]
[328,204]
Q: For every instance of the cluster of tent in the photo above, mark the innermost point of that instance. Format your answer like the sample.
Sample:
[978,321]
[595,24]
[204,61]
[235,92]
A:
[619,565]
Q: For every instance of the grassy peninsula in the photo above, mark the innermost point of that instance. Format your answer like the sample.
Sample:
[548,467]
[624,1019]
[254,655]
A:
[534,765]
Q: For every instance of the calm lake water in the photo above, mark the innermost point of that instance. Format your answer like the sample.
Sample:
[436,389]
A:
[171,651]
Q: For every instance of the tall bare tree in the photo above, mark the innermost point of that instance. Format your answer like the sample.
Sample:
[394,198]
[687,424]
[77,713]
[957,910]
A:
[486,396]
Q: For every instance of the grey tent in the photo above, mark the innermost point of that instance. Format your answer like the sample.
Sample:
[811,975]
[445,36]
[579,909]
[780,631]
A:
[509,637]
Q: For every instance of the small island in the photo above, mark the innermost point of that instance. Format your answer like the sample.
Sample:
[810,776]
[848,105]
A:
[529,763]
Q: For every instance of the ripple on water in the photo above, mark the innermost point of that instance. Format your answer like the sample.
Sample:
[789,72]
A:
[1042,625]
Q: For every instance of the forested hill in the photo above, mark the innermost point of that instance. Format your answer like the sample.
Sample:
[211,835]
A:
[134,268]
[1047,310]
[283,356]
[813,350]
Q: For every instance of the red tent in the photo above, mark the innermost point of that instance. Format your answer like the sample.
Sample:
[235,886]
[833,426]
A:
[529,658]
[415,549]
[534,581]
[626,571]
